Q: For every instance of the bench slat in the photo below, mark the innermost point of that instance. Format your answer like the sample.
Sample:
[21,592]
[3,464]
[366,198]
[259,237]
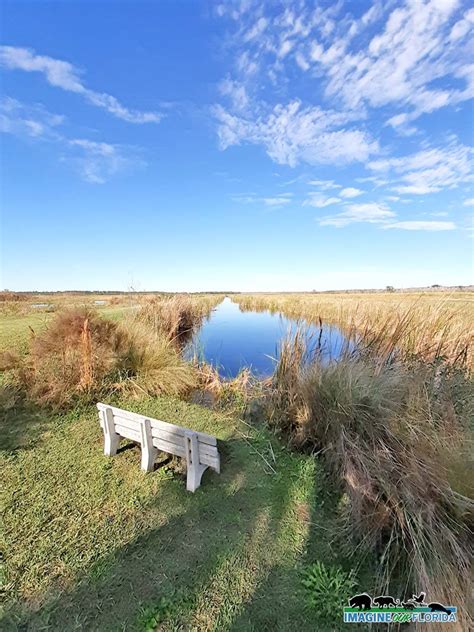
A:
[157,423]
[127,433]
[127,423]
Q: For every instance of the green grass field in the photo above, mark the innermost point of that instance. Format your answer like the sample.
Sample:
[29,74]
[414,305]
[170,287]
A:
[93,543]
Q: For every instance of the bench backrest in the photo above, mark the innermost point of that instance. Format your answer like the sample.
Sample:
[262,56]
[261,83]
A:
[165,436]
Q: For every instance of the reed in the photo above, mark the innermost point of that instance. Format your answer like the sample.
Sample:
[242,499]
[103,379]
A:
[176,317]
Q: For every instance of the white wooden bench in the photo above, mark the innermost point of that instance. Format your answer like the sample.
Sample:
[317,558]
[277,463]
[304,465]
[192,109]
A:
[199,449]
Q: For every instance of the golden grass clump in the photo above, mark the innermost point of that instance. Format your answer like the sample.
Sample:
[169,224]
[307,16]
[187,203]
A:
[150,364]
[395,437]
[83,356]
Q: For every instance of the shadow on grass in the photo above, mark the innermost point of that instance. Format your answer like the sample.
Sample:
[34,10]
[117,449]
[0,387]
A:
[324,543]
[201,567]
[22,425]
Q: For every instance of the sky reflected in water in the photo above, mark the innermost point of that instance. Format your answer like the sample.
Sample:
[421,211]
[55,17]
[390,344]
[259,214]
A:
[232,340]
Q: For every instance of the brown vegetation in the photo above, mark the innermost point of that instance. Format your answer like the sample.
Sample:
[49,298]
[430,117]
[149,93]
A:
[81,355]
[176,317]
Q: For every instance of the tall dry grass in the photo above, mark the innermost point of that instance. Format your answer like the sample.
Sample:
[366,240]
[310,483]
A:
[81,356]
[396,438]
[435,326]
[176,317]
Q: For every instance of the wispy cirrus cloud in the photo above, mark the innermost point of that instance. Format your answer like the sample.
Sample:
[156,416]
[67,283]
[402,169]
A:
[350,192]
[281,199]
[62,74]
[324,184]
[429,170]
[419,42]
[293,134]
[391,54]
[95,161]
[421,225]
[319,201]
[370,212]
[28,120]
[382,216]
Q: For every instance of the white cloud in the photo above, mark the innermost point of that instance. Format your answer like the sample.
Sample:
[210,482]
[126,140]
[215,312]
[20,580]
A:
[273,201]
[429,170]
[350,192]
[95,161]
[421,225]
[462,27]
[400,123]
[276,201]
[393,54]
[401,61]
[32,121]
[468,202]
[293,134]
[62,74]
[236,92]
[321,202]
[324,184]
[256,30]
[246,65]
[301,61]
[370,212]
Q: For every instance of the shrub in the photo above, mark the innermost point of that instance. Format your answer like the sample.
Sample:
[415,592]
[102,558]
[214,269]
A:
[83,356]
[75,354]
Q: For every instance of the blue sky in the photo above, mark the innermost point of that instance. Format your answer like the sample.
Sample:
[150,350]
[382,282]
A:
[239,145]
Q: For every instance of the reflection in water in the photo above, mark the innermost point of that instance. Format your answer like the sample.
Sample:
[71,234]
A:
[231,340]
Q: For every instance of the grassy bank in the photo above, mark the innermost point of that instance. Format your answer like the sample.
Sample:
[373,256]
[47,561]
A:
[397,438]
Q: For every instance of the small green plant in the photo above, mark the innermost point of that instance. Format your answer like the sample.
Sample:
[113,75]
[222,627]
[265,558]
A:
[152,616]
[327,589]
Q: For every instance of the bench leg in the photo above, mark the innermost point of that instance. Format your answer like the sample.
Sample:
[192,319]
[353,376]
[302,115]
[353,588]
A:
[149,451]
[111,438]
[195,469]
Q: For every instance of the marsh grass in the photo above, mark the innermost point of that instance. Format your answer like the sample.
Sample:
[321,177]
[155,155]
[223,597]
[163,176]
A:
[395,437]
[150,365]
[431,326]
[176,317]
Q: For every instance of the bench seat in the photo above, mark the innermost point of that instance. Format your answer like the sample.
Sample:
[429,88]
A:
[199,449]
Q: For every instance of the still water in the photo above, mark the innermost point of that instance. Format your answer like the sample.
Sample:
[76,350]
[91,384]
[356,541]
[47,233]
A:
[231,340]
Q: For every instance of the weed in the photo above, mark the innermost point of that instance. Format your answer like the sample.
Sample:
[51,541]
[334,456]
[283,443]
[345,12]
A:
[327,589]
